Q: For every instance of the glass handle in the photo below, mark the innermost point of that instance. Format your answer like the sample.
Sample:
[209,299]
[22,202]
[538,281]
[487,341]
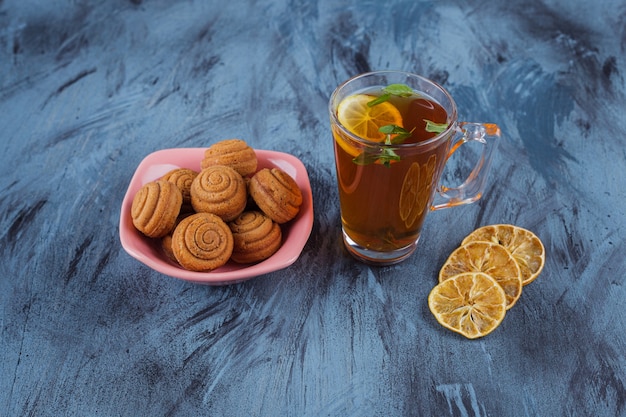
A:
[488,135]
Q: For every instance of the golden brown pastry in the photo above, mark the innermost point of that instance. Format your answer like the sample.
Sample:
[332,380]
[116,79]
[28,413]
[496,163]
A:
[256,237]
[182,177]
[276,194]
[155,208]
[166,241]
[234,153]
[202,242]
[219,190]
[166,245]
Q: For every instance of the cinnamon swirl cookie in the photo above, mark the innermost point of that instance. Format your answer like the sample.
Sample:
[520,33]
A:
[155,208]
[202,242]
[234,153]
[276,194]
[219,190]
[182,177]
[256,237]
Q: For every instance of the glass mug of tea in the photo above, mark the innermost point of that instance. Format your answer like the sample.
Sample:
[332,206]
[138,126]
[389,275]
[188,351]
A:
[393,134]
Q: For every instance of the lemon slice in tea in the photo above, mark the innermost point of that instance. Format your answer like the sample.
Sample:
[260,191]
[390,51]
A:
[524,245]
[472,304]
[364,121]
[489,258]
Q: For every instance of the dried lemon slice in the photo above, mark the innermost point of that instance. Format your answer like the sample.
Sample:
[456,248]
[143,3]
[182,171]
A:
[524,245]
[409,196]
[472,304]
[415,191]
[489,258]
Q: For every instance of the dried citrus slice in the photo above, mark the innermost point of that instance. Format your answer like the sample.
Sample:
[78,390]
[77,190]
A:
[415,191]
[490,258]
[364,121]
[409,195]
[524,245]
[472,304]
[426,179]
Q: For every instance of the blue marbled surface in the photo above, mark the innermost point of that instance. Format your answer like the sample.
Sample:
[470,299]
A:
[88,88]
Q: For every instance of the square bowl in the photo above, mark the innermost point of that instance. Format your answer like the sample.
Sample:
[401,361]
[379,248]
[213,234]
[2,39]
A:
[148,251]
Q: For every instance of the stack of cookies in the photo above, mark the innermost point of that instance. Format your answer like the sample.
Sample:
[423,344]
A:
[227,211]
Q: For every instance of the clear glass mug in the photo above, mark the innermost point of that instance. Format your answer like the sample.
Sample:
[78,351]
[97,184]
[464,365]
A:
[387,188]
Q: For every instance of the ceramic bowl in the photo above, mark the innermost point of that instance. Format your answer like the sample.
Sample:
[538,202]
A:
[148,251]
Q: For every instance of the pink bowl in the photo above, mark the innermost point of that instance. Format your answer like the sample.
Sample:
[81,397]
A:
[149,252]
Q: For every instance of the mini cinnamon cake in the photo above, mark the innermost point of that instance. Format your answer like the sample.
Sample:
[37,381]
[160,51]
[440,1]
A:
[155,208]
[202,242]
[234,153]
[276,194]
[220,190]
[256,237]
[227,211]
[182,177]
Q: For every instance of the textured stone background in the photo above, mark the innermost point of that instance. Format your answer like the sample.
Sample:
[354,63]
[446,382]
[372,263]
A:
[88,88]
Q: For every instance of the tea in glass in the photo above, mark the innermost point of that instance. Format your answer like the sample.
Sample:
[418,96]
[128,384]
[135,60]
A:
[393,133]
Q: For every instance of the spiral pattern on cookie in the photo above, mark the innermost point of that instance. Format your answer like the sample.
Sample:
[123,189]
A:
[276,194]
[219,190]
[155,208]
[182,178]
[234,153]
[256,237]
[202,242]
